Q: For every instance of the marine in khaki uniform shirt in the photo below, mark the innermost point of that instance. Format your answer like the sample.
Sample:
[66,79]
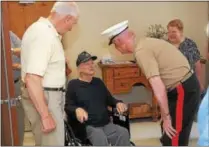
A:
[43,73]
[170,76]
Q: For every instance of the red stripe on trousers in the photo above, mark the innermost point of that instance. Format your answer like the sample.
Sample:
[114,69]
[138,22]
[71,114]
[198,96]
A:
[179,114]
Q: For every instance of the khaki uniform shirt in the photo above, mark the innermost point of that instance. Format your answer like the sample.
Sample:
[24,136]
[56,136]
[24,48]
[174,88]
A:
[42,54]
[159,58]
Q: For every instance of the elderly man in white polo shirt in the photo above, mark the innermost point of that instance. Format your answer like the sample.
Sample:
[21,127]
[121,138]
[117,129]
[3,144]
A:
[43,73]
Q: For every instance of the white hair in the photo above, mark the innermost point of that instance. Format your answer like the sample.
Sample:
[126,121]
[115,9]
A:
[66,8]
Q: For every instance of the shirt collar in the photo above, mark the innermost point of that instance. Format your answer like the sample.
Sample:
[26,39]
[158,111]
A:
[50,25]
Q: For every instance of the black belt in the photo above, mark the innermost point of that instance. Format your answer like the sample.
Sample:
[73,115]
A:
[50,89]
[54,89]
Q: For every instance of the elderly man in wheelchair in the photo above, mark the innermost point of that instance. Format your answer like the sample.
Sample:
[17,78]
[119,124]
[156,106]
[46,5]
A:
[87,101]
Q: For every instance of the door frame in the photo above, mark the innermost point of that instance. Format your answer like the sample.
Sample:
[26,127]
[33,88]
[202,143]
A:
[9,114]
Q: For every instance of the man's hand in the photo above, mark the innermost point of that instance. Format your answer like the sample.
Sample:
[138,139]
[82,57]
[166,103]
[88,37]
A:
[167,126]
[16,51]
[36,94]
[81,115]
[68,70]
[16,66]
[67,67]
[160,92]
[121,107]
[48,124]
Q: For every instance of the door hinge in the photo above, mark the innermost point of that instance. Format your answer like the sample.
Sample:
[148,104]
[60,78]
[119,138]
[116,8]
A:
[11,101]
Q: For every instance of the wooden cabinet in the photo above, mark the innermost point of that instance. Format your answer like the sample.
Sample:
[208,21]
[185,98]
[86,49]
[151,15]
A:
[120,78]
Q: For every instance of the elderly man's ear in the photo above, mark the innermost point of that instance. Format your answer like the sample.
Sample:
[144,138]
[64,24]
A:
[68,17]
[131,33]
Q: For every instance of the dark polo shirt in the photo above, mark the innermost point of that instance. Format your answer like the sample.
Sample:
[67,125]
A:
[93,97]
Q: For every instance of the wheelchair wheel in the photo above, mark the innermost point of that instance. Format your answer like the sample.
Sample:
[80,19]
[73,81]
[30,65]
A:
[132,144]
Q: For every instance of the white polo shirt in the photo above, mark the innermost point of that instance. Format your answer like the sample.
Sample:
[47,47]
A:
[42,54]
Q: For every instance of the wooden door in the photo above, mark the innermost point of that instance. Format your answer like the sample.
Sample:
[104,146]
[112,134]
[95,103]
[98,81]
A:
[15,17]
[21,16]
[9,130]
[34,11]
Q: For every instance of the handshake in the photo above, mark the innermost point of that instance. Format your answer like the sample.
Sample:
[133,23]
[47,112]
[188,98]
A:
[82,115]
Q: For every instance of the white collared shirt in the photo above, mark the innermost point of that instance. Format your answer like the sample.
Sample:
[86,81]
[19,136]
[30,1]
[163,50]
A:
[42,54]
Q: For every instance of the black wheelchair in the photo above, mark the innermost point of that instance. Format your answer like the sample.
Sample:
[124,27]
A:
[75,133]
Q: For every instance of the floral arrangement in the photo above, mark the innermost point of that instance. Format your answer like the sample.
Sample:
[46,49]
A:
[156,31]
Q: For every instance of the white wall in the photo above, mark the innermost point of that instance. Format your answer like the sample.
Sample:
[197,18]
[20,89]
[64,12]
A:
[97,16]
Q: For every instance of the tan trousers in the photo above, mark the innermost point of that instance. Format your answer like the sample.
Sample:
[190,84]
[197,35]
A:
[55,101]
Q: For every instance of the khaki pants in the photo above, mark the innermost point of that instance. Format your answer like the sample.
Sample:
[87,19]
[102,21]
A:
[55,101]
